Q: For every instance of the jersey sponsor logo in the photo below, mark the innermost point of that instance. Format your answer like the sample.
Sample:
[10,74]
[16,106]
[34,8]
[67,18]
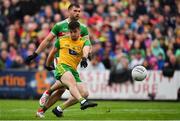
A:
[77,48]
[66,45]
[72,52]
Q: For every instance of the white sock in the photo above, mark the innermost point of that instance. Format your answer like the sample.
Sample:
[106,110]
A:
[59,109]
[83,101]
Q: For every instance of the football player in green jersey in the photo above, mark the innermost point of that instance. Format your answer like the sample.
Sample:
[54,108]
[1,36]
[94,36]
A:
[60,29]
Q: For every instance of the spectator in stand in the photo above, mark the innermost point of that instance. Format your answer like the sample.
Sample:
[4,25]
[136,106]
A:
[22,49]
[12,37]
[12,52]
[106,60]
[18,63]
[57,18]
[95,64]
[160,62]
[3,46]
[48,14]
[5,9]
[153,63]
[55,7]
[170,66]
[156,49]
[146,64]
[171,62]
[5,59]
[120,72]
[137,60]
[30,34]
[64,4]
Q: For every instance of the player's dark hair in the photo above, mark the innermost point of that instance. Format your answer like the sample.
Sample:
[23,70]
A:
[73,5]
[73,25]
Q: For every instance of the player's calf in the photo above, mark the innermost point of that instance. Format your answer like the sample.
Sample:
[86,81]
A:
[44,98]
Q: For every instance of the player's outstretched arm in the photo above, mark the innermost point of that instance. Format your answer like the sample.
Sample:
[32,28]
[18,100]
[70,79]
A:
[86,50]
[50,59]
[88,42]
[45,42]
[42,46]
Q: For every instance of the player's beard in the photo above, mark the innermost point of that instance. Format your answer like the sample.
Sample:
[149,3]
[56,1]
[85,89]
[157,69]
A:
[75,18]
[74,38]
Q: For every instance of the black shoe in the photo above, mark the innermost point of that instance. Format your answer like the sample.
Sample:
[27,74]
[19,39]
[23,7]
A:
[88,104]
[57,113]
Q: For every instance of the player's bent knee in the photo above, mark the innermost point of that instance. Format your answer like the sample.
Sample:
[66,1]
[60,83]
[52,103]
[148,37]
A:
[60,91]
[72,84]
[85,94]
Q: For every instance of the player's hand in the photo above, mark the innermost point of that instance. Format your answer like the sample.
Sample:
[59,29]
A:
[84,62]
[30,58]
[49,68]
[90,55]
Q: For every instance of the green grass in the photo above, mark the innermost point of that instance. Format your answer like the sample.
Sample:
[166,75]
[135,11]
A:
[106,110]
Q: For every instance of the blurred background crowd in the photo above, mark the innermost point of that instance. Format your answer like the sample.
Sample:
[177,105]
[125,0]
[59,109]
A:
[124,33]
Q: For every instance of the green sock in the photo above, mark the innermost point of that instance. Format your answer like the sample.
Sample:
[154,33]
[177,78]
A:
[63,106]
[82,100]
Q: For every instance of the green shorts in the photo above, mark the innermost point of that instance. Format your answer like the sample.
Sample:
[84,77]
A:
[62,68]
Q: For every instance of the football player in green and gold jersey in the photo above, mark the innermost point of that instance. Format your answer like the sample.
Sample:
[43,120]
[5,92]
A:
[59,30]
[72,50]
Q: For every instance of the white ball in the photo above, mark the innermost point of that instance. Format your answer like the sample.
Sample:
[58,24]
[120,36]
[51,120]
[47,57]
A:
[139,73]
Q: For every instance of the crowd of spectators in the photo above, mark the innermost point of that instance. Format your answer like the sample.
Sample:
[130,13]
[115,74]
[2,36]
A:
[124,33]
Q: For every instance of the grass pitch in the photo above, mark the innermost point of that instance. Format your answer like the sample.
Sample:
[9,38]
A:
[106,110]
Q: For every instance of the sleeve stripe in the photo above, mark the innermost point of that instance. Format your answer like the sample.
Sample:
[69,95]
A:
[53,33]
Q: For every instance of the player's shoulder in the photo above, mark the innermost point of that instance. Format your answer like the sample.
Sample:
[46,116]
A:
[82,39]
[61,22]
[82,25]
